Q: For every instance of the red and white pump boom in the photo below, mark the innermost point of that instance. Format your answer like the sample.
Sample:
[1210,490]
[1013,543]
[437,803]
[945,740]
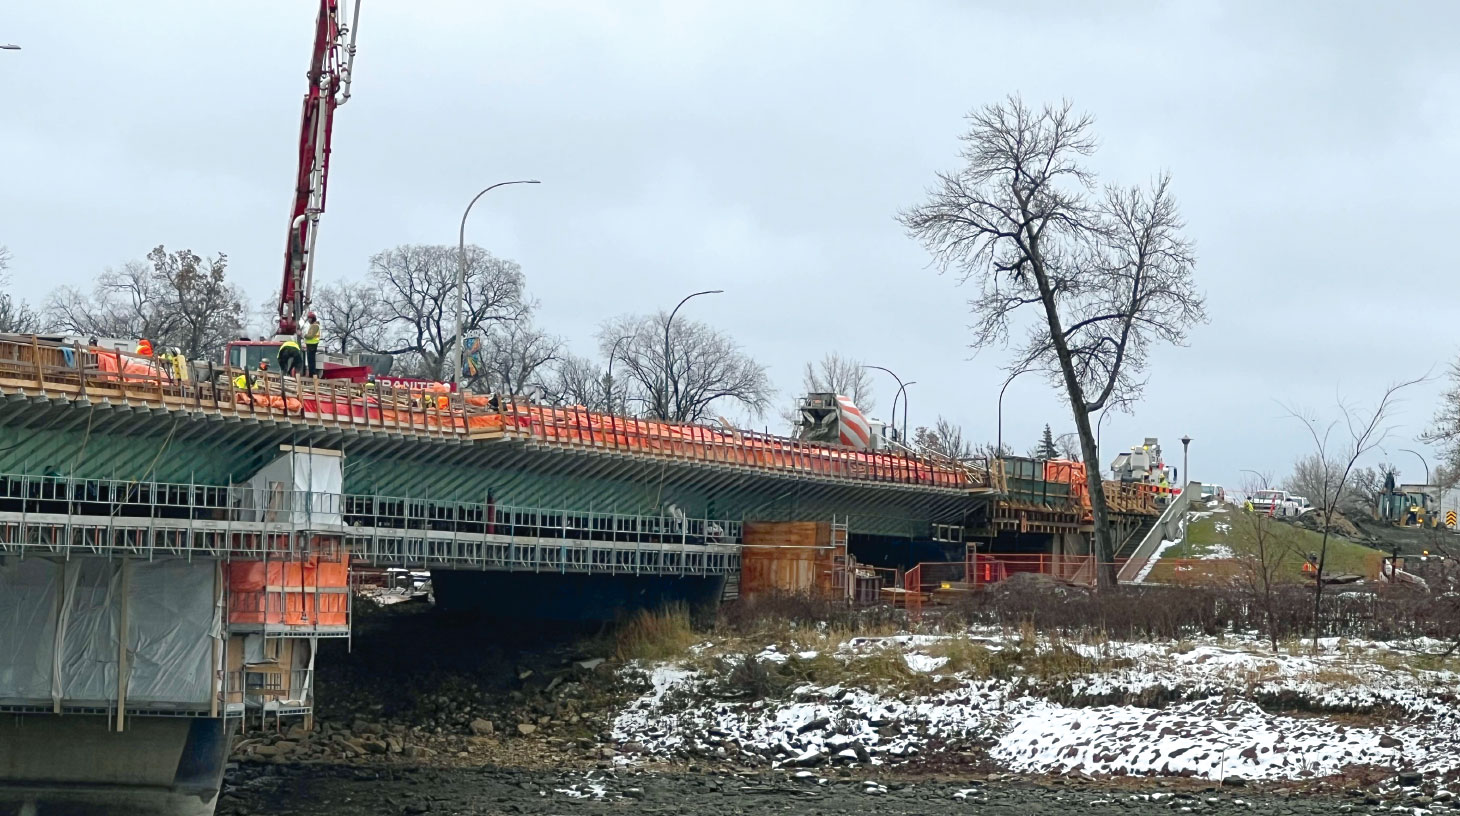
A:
[330,65]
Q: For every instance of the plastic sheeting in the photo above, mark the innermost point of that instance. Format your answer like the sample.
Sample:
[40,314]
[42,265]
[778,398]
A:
[59,622]
[306,482]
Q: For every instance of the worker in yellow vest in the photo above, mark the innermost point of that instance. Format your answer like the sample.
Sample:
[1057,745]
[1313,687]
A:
[291,358]
[311,344]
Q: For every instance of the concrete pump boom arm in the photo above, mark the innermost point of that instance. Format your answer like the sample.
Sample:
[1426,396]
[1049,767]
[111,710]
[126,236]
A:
[331,63]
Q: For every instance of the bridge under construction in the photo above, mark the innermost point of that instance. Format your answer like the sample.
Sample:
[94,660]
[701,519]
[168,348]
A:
[173,546]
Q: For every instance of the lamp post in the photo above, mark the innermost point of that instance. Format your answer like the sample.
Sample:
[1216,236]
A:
[1262,480]
[667,323]
[9,47]
[608,397]
[999,444]
[1185,460]
[461,274]
[901,391]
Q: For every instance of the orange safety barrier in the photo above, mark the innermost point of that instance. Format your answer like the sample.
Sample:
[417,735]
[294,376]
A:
[126,368]
[578,425]
[1065,471]
[287,592]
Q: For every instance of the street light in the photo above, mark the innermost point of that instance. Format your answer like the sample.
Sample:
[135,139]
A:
[9,47]
[1186,472]
[1262,480]
[999,445]
[666,342]
[609,396]
[901,391]
[1422,459]
[461,274]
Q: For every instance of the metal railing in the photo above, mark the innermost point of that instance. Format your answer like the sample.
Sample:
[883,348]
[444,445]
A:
[61,515]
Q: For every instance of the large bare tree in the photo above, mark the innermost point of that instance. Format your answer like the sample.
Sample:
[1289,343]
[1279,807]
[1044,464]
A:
[576,380]
[517,354]
[174,299]
[704,368]
[944,439]
[1090,282]
[418,294]
[16,316]
[836,374]
[351,316]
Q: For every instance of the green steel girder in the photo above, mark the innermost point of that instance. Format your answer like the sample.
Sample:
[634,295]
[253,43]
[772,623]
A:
[99,439]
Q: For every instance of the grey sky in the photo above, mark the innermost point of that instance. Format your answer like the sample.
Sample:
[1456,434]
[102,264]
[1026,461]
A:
[763,148]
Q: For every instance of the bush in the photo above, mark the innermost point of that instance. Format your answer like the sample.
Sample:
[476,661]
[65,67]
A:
[661,634]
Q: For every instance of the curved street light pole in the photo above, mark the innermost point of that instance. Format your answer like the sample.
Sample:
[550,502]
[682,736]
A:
[1422,459]
[999,445]
[900,392]
[1260,478]
[903,392]
[667,324]
[608,397]
[461,275]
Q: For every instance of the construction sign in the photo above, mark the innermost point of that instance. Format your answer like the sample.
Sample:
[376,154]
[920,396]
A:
[1449,518]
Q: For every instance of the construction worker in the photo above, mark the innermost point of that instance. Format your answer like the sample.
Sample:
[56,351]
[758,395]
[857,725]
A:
[311,344]
[290,357]
[144,347]
[242,380]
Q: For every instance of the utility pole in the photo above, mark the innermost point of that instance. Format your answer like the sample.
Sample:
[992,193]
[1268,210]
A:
[1185,462]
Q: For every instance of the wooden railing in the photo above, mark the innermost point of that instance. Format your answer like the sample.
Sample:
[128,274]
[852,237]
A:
[78,371]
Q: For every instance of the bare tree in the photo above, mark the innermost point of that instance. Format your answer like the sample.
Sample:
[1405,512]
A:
[577,380]
[1107,277]
[1263,547]
[840,375]
[1067,445]
[1445,432]
[944,439]
[16,316]
[178,299]
[351,316]
[705,367]
[416,285]
[1311,474]
[1362,432]
[516,355]
[1367,484]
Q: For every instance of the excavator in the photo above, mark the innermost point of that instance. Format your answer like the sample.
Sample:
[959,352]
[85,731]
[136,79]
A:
[331,65]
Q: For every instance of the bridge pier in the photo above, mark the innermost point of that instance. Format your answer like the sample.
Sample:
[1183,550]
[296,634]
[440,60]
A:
[77,763]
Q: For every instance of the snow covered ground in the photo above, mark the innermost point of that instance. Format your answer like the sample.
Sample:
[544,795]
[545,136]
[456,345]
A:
[1211,709]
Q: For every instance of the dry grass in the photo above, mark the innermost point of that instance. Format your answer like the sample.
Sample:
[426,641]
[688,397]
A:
[662,634]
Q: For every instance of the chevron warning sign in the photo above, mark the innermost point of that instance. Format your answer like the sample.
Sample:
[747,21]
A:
[1449,518]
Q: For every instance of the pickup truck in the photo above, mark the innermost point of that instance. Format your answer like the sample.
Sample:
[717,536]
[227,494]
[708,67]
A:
[1280,503]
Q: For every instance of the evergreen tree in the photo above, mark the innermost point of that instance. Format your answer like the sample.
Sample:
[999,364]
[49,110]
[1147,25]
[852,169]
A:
[1045,449]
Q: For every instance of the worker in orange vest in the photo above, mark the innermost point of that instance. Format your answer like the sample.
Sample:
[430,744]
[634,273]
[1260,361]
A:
[144,347]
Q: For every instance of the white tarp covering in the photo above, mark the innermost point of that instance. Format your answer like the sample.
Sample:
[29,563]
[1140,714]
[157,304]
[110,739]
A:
[305,481]
[59,630]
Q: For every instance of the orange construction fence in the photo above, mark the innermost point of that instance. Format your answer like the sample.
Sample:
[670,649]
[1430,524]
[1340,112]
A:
[300,592]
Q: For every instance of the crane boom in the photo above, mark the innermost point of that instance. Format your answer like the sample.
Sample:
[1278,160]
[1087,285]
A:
[330,65]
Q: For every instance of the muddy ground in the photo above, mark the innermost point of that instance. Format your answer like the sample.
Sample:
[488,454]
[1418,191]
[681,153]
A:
[327,790]
[331,790]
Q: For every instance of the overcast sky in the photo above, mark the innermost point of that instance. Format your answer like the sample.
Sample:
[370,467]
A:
[764,149]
